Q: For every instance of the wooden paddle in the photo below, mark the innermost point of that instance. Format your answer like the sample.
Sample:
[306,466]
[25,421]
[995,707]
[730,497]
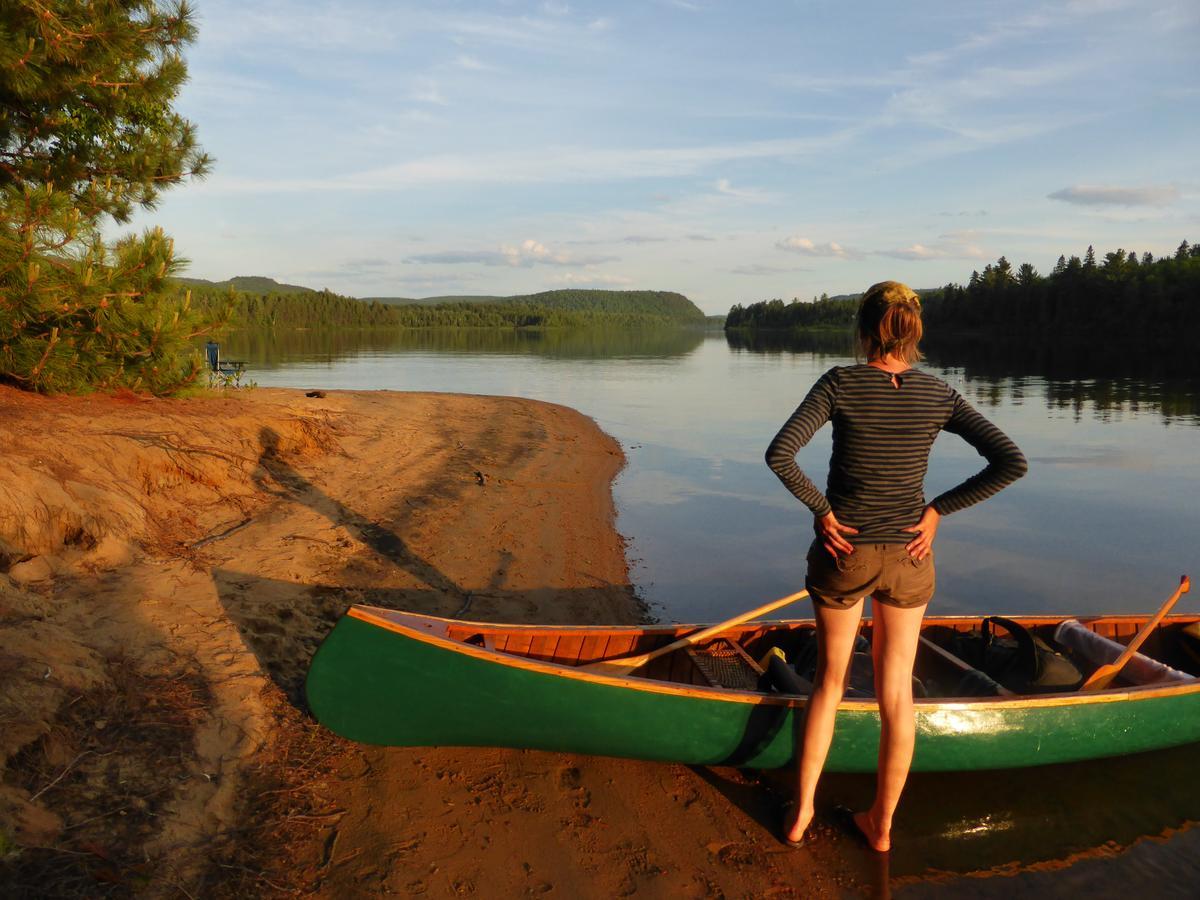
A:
[625,664]
[1101,678]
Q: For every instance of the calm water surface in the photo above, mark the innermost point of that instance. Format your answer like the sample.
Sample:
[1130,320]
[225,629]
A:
[1106,520]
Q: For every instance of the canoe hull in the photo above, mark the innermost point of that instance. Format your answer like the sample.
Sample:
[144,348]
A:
[383,686]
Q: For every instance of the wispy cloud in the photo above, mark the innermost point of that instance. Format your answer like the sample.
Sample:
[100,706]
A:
[952,245]
[352,269]
[591,278]
[920,252]
[1107,195]
[568,164]
[471,64]
[973,104]
[1011,28]
[752,195]
[527,253]
[642,239]
[759,269]
[425,90]
[806,247]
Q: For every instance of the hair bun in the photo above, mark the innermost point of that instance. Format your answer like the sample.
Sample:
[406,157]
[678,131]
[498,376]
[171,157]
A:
[889,321]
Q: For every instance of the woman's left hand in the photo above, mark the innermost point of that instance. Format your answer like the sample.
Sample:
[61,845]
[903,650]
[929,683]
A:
[922,545]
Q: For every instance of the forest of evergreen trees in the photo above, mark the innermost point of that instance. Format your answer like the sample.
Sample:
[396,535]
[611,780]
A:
[1120,295]
[550,309]
[799,315]
[315,309]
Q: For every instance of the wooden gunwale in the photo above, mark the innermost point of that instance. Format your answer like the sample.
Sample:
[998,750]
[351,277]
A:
[404,623]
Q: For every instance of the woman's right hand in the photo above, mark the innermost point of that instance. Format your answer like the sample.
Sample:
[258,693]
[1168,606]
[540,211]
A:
[829,531]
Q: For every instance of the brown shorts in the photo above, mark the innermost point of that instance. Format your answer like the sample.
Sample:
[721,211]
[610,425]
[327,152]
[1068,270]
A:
[884,571]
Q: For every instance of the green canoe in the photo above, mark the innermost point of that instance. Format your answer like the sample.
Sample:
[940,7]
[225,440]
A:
[402,679]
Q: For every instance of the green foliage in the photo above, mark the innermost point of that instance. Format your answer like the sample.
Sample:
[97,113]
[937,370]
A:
[76,313]
[1116,298]
[437,301]
[85,100]
[660,304]
[551,309]
[775,315]
[251,284]
[86,132]
[9,848]
[310,309]
[558,309]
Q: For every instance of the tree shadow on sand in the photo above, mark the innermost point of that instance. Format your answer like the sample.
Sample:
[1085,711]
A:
[386,542]
[283,622]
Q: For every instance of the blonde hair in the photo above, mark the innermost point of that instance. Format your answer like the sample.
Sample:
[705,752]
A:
[889,321]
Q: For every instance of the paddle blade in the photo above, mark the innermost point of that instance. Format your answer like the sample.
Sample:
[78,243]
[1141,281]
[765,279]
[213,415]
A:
[1103,676]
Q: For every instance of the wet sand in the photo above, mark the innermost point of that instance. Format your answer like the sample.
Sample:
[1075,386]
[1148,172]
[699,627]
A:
[176,563]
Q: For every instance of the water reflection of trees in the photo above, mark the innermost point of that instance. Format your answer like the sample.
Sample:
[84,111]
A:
[820,343]
[267,348]
[1073,376]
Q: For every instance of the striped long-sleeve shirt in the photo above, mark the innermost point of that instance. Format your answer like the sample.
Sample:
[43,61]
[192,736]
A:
[882,436]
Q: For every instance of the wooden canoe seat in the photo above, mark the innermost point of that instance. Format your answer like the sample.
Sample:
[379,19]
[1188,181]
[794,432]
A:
[725,663]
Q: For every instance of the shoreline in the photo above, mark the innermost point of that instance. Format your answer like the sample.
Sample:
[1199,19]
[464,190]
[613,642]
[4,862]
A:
[180,560]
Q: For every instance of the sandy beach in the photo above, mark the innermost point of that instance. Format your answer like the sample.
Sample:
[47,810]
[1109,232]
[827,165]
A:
[167,569]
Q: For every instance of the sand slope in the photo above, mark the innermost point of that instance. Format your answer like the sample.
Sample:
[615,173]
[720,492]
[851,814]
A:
[178,562]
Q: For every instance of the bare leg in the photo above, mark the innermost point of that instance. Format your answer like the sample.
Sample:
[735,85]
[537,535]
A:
[894,646]
[836,629]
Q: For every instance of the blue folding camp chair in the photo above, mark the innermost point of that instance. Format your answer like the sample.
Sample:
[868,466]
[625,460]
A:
[223,372]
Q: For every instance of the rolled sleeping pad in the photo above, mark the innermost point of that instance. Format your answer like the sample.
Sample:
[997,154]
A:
[1101,651]
[1191,640]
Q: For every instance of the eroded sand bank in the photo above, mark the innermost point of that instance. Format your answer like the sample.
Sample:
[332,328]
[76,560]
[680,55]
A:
[169,567]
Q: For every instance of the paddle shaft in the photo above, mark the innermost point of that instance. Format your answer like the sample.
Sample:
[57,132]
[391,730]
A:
[1101,678]
[629,663]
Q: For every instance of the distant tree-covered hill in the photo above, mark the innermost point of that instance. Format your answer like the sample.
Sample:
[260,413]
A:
[553,309]
[661,304]
[312,309]
[435,301]
[254,284]
[550,309]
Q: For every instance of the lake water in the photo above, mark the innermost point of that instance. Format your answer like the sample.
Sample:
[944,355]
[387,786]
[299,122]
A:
[1106,521]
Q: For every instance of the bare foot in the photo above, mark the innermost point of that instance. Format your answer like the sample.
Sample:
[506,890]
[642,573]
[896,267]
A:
[877,838]
[795,824]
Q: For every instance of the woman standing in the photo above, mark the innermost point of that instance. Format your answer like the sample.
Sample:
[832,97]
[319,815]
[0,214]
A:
[875,531]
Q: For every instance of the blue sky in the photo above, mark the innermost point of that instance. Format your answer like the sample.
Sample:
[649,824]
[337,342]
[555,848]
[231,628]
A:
[733,151]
